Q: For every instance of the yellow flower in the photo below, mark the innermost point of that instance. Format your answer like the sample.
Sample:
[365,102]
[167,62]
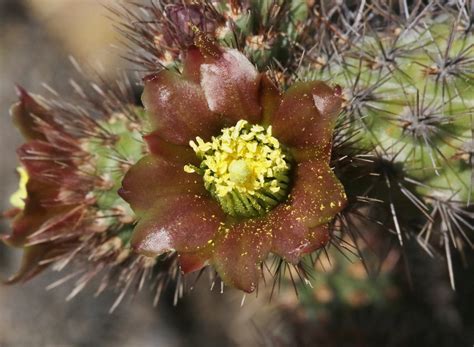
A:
[17,199]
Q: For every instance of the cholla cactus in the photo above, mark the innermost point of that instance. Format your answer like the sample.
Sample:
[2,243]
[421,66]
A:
[408,89]
[241,148]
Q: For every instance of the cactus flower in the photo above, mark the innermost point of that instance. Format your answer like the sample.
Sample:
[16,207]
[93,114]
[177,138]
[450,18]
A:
[235,169]
[66,203]
[43,215]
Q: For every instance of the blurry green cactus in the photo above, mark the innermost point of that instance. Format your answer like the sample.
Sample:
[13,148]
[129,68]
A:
[343,280]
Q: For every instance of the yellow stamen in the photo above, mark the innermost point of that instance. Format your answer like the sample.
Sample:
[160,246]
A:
[244,168]
[17,199]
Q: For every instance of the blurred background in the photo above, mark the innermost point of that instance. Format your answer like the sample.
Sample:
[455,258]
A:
[347,307]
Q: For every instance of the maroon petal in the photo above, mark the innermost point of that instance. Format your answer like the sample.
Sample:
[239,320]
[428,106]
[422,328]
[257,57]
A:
[30,263]
[190,262]
[318,237]
[317,195]
[183,18]
[184,223]
[231,85]
[300,225]
[36,122]
[154,177]
[306,117]
[63,225]
[192,64]
[270,99]
[293,240]
[11,213]
[177,108]
[25,115]
[35,213]
[48,163]
[182,154]
[238,251]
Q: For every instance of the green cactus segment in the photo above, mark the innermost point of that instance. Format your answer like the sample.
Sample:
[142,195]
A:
[343,282]
[125,235]
[111,160]
[411,91]
[268,29]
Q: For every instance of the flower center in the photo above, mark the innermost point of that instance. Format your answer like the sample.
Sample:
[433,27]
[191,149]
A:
[245,169]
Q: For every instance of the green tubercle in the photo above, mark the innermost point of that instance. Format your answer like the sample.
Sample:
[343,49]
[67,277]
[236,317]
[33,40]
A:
[111,160]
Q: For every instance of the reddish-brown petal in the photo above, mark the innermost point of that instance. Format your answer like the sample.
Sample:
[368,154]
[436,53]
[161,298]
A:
[182,154]
[48,163]
[239,250]
[192,64]
[231,85]
[25,115]
[36,122]
[11,213]
[305,119]
[35,213]
[177,108]
[62,225]
[317,195]
[318,237]
[190,262]
[184,223]
[270,99]
[23,226]
[289,234]
[154,177]
[292,239]
[183,18]
[30,263]
[36,259]
[300,225]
